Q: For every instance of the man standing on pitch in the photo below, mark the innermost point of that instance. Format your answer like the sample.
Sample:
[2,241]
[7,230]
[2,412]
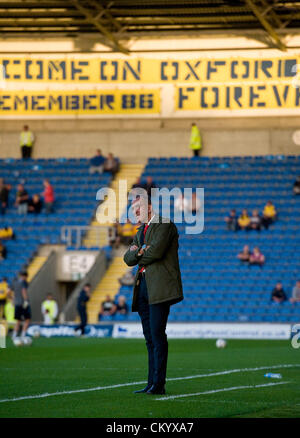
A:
[157,286]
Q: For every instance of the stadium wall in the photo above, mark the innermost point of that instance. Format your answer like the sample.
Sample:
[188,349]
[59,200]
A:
[139,139]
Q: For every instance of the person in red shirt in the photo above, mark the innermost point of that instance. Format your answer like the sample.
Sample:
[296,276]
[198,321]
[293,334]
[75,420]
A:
[48,195]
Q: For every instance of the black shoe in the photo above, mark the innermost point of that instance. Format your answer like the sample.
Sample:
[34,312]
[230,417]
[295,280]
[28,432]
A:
[157,389]
[140,391]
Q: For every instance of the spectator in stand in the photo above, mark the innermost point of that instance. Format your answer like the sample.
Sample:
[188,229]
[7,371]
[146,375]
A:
[111,164]
[257,258]
[4,194]
[244,220]
[121,307]
[3,251]
[83,298]
[108,307]
[127,233]
[22,199]
[49,310]
[194,204]
[269,214]
[295,298]
[181,203]
[48,195]
[278,294]
[4,288]
[149,185]
[255,221]
[7,233]
[232,221]
[127,279]
[35,204]
[113,236]
[97,163]
[296,187]
[26,142]
[244,256]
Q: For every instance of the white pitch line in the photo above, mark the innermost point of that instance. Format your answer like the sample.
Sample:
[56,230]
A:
[214,391]
[120,385]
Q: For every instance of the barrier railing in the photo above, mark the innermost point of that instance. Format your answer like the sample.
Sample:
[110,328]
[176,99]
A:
[76,235]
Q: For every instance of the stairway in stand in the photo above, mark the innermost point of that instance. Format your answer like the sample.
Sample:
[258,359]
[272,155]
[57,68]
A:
[108,285]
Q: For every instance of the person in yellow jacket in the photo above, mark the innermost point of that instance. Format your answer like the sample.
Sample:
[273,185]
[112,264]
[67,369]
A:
[26,142]
[3,296]
[49,310]
[9,312]
[195,140]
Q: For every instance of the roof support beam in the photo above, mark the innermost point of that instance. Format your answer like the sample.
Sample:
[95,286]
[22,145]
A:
[266,23]
[90,18]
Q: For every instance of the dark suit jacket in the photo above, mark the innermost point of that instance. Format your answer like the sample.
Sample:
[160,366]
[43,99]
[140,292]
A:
[162,274]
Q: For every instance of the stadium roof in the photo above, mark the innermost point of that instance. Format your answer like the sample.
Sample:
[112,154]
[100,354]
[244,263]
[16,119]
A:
[119,20]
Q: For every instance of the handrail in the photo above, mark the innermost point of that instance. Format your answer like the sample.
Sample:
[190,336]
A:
[73,235]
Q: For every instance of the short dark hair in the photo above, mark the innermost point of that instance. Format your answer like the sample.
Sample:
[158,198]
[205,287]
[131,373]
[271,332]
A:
[87,285]
[24,274]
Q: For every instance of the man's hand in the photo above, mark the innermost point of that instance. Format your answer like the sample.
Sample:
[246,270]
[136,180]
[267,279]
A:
[133,248]
[143,249]
[25,304]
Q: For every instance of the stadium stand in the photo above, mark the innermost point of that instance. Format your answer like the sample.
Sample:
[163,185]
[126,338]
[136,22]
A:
[217,286]
[75,194]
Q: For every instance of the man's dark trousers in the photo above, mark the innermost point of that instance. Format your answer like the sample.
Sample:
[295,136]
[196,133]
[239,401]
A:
[154,321]
[83,319]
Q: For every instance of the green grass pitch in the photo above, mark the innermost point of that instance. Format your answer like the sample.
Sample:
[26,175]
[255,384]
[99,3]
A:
[61,364]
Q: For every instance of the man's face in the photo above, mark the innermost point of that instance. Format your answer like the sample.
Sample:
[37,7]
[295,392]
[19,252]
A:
[140,210]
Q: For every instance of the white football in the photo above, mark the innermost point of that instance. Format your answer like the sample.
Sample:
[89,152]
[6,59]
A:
[17,342]
[27,341]
[221,343]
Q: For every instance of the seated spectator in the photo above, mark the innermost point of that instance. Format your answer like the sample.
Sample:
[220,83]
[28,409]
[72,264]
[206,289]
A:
[97,163]
[296,293]
[108,307]
[48,195]
[296,187]
[3,251]
[22,199]
[257,258]
[4,194]
[149,185]
[4,288]
[113,236]
[232,221]
[181,203]
[278,294]
[194,204]
[35,204]
[127,279]
[111,164]
[255,221]
[244,220]
[127,233]
[7,233]
[49,310]
[269,214]
[244,256]
[121,307]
